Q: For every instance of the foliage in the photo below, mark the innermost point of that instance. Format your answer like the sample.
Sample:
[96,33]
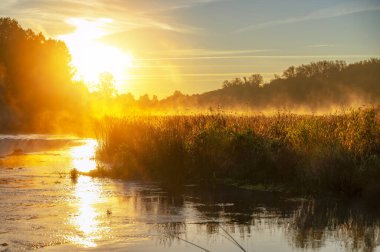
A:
[255,80]
[36,85]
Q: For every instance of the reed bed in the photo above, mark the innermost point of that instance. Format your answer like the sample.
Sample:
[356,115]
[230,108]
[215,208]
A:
[335,154]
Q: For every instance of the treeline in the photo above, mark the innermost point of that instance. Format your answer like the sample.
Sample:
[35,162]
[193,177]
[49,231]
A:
[36,87]
[319,86]
[322,85]
[38,93]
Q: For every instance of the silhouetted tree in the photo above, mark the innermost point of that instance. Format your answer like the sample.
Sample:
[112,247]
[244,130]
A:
[316,85]
[289,73]
[255,80]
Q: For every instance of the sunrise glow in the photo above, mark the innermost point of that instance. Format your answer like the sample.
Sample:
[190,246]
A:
[190,125]
[91,57]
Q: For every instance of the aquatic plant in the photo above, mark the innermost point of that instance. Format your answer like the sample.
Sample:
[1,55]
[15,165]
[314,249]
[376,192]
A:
[74,175]
[337,153]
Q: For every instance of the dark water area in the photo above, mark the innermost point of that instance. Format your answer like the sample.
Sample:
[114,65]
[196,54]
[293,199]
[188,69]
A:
[43,208]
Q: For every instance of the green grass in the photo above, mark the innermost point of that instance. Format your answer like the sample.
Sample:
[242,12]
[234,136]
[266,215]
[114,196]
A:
[336,154]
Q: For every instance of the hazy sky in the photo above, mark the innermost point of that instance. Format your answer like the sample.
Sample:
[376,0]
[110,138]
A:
[193,45]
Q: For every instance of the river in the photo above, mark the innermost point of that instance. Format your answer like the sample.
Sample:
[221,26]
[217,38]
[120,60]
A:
[42,208]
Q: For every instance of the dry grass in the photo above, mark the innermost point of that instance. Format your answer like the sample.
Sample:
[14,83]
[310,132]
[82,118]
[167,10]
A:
[336,153]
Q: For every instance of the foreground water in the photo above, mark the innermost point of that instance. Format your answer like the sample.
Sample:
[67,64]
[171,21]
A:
[41,207]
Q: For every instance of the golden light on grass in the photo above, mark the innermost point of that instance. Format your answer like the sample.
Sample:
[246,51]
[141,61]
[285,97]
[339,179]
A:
[91,57]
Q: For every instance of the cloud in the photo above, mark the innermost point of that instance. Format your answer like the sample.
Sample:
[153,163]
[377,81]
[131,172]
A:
[203,52]
[335,11]
[170,27]
[308,57]
[320,46]
[178,5]
[126,15]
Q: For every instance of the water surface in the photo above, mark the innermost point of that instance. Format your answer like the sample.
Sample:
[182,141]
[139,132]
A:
[43,208]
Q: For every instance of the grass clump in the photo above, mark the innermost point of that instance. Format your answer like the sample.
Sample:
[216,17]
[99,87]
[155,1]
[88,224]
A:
[337,154]
[74,173]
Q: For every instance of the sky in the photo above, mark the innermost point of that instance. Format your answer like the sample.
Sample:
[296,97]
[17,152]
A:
[194,45]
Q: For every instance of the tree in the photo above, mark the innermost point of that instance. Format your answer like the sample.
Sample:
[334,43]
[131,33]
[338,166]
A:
[144,101]
[106,86]
[255,80]
[289,73]
[36,76]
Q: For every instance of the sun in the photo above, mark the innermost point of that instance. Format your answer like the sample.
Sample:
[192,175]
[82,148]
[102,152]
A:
[91,57]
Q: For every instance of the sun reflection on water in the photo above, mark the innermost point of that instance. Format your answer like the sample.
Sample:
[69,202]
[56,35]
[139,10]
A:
[83,156]
[87,217]
[86,220]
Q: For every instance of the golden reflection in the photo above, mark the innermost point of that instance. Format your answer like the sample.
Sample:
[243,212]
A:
[86,221]
[83,157]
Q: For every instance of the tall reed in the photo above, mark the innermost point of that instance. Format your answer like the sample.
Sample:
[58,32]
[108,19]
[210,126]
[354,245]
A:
[337,153]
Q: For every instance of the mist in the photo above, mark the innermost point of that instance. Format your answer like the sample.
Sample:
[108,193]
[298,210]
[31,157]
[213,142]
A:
[38,93]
